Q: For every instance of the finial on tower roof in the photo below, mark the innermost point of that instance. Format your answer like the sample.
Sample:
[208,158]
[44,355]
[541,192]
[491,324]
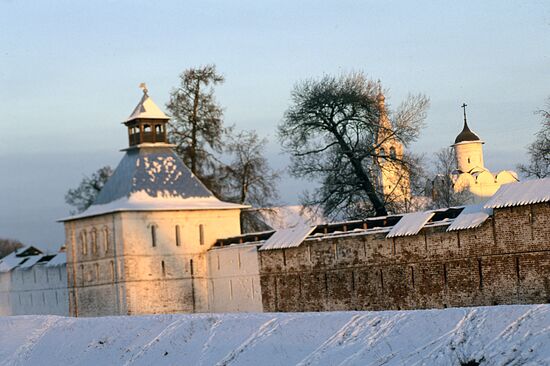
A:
[466,134]
[380,97]
[143,87]
[463,106]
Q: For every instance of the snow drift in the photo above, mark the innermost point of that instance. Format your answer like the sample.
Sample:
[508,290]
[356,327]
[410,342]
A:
[499,335]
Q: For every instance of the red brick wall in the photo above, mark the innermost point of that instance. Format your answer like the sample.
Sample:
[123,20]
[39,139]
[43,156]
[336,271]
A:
[505,261]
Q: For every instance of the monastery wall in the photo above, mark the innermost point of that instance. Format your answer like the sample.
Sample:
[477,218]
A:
[504,261]
[234,279]
[5,296]
[35,290]
[39,290]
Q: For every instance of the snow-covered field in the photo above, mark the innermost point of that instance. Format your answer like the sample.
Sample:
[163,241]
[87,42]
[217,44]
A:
[499,335]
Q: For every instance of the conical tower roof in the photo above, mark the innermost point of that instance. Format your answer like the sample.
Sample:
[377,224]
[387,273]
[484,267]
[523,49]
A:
[146,109]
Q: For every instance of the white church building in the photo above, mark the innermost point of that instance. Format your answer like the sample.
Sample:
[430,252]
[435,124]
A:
[471,173]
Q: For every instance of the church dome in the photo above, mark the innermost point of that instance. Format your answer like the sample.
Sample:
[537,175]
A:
[466,135]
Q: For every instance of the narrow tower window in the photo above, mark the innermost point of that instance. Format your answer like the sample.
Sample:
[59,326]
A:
[392,152]
[201,234]
[178,238]
[154,235]
[163,268]
[112,271]
[106,239]
[84,245]
[93,235]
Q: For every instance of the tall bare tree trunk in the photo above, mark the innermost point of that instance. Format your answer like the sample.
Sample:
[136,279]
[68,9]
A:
[194,128]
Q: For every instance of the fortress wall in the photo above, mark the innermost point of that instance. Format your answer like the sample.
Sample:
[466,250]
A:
[37,290]
[504,261]
[234,279]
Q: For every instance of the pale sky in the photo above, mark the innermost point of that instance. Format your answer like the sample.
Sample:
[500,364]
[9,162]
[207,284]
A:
[70,70]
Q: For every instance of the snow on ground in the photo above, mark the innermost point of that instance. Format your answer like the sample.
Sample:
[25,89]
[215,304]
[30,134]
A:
[499,335]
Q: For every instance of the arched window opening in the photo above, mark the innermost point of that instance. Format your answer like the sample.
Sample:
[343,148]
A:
[158,129]
[392,153]
[83,243]
[106,240]
[154,235]
[146,128]
[178,238]
[93,235]
[382,153]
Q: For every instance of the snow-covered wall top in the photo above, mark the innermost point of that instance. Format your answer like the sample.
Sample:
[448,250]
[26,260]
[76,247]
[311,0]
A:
[29,256]
[522,193]
[471,217]
[410,224]
[287,238]
[59,260]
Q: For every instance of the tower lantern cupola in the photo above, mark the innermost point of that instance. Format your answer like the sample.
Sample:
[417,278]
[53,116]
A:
[147,123]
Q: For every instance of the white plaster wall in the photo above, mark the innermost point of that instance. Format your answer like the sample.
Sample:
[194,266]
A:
[167,277]
[148,279]
[234,280]
[5,294]
[39,290]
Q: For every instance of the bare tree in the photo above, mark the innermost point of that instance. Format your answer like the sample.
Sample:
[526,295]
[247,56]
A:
[196,125]
[84,195]
[248,177]
[9,245]
[539,150]
[440,188]
[332,131]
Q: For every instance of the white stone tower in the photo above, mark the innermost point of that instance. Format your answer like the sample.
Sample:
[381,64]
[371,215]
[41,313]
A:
[141,247]
[471,173]
[394,178]
[468,148]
